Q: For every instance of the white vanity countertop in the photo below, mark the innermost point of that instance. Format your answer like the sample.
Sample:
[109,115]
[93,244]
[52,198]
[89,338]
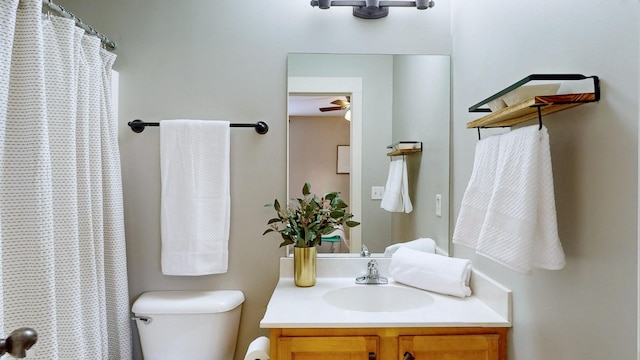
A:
[303,307]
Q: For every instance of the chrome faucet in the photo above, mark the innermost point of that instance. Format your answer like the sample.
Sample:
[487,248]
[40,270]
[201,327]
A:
[365,251]
[373,275]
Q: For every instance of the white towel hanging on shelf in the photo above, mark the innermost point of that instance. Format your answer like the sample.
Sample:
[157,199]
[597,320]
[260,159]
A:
[396,191]
[478,193]
[519,226]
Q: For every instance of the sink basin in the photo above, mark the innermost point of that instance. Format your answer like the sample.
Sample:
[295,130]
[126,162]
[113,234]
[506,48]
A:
[377,298]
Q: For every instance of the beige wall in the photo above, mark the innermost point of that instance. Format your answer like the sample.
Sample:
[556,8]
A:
[313,153]
[227,60]
[313,144]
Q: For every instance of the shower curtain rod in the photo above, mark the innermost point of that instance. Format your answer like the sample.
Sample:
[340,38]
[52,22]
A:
[64,13]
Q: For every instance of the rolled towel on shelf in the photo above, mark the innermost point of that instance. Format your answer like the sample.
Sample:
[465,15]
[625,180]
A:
[431,272]
[421,244]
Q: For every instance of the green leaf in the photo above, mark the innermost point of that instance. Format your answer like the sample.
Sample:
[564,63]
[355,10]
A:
[352,223]
[274,220]
[306,189]
[331,195]
[327,231]
[313,204]
[268,231]
[339,203]
[286,242]
[276,205]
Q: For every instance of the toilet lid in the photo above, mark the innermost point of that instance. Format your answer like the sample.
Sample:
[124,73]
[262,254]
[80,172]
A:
[187,302]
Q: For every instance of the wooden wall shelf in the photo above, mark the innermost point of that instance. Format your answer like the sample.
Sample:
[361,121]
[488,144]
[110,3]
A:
[527,110]
[535,107]
[404,147]
[403,152]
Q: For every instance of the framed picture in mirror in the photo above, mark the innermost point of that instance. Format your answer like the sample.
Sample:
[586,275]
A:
[343,164]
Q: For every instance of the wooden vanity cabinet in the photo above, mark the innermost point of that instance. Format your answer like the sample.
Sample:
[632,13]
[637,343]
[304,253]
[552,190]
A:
[389,343]
[327,347]
[450,347]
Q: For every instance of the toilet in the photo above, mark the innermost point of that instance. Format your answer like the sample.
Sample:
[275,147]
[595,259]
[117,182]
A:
[194,325]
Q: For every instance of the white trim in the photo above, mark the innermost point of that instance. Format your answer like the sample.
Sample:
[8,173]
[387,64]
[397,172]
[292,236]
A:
[340,85]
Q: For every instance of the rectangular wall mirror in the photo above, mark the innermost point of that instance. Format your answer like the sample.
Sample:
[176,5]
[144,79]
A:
[367,102]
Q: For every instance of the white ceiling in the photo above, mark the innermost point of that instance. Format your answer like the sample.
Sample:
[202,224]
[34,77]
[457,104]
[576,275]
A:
[308,105]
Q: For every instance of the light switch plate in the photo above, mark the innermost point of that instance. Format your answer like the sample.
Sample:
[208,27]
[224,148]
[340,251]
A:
[377,192]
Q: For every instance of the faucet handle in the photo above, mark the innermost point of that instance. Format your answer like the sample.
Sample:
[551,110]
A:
[365,251]
[372,269]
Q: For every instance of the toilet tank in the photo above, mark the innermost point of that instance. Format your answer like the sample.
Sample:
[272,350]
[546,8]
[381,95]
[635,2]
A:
[194,325]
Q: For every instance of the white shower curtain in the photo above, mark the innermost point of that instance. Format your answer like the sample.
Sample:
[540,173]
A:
[62,250]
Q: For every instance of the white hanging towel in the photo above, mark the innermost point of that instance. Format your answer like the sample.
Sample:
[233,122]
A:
[396,191]
[520,227]
[478,193]
[195,204]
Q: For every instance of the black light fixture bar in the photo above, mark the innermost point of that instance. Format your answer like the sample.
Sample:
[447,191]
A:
[372,9]
[363,3]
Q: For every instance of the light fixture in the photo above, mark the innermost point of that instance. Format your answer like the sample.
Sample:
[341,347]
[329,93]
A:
[372,9]
[347,115]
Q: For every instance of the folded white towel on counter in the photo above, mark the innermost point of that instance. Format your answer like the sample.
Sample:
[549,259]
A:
[396,192]
[421,244]
[195,202]
[520,227]
[475,200]
[431,272]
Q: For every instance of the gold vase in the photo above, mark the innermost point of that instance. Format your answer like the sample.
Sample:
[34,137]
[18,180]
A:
[304,266]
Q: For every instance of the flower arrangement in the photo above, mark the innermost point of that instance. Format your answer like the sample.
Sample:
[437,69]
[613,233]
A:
[304,220]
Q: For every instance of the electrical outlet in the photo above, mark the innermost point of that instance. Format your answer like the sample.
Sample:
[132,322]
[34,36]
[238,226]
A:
[377,192]
[438,204]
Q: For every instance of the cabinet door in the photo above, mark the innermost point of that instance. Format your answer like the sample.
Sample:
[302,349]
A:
[451,347]
[328,348]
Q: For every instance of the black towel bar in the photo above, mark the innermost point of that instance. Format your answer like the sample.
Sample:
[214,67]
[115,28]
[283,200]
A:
[138,126]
